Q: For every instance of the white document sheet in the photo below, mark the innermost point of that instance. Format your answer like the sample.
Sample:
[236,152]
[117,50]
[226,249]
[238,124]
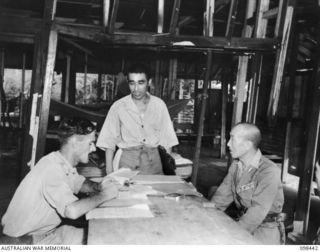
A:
[136,211]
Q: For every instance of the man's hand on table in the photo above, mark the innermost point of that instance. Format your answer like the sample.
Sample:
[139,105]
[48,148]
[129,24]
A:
[109,190]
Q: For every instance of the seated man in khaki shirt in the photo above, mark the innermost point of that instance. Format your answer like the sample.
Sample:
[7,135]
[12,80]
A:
[253,184]
[48,192]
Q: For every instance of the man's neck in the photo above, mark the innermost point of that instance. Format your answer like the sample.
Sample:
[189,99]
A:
[143,101]
[247,158]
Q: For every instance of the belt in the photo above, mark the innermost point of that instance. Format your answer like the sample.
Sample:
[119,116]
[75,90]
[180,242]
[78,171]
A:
[275,217]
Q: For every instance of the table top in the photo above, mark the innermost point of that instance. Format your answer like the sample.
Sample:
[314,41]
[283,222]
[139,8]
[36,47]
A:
[185,221]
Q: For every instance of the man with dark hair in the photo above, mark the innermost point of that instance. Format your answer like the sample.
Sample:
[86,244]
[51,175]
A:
[137,123]
[48,192]
[253,185]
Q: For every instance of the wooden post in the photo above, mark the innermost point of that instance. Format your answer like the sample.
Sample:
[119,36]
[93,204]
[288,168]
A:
[23,80]
[231,18]
[311,143]
[285,30]
[173,65]
[208,19]
[72,83]
[66,80]
[174,16]
[242,65]
[204,97]
[2,94]
[40,91]
[85,78]
[160,16]
[291,91]
[224,90]
[46,94]
[113,17]
[106,8]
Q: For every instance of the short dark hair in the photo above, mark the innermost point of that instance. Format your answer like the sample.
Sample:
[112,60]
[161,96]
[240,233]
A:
[75,126]
[251,133]
[138,68]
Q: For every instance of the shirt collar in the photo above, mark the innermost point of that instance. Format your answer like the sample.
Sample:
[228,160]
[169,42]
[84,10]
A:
[66,166]
[130,105]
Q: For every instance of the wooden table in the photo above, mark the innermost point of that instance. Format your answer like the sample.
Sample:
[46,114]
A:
[185,221]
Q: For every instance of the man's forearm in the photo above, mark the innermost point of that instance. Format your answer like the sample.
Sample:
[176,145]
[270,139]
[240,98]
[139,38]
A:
[109,160]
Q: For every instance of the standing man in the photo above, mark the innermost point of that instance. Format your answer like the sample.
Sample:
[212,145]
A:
[253,183]
[48,191]
[137,124]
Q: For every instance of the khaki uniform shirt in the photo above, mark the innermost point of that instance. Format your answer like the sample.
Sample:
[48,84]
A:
[126,127]
[259,189]
[42,196]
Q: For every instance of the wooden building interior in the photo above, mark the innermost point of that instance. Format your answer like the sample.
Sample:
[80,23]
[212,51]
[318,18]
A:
[214,62]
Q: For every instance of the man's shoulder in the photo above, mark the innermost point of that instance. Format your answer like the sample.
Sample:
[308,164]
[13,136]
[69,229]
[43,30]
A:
[157,100]
[121,102]
[268,166]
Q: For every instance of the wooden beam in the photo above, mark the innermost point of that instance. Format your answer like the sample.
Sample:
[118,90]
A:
[261,23]
[76,45]
[160,16]
[16,38]
[272,13]
[23,81]
[208,19]
[224,83]
[204,97]
[174,17]
[173,65]
[291,91]
[66,79]
[310,146]
[231,18]
[242,69]
[113,18]
[280,61]
[46,94]
[106,9]
[254,82]
[2,94]
[170,41]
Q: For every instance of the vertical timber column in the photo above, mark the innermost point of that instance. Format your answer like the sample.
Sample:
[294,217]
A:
[40,91]
[208,32]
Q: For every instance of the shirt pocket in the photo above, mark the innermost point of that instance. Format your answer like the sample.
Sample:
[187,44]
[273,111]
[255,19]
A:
[246,192]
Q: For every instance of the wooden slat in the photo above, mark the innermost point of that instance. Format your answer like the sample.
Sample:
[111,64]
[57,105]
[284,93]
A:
[242,70]
[272,13]
[160,16]
[106,9]
[2,94]
[208,18]
[16,38]
[46,94]
[280,63]
[174,16]
[204,97]
[261,23]
[312,125]
[76,45]
[240,44]
[223,146]
[23,81]
[113,17]
[231,18]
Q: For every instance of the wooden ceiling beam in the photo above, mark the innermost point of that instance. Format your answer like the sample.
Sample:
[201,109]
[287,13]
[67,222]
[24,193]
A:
[171,41]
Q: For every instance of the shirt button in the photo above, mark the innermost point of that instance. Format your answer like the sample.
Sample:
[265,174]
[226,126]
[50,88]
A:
[144,140]
[142,126]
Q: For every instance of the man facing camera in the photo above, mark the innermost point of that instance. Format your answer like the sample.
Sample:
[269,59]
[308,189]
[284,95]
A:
[48,192]
[253,184]
[137,124]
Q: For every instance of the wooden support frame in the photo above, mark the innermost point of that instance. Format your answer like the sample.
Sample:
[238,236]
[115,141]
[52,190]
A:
[280,59]
[23,81]
[113,18]
[231,18]
[106,10]
[312,125]
[66,80]
[204,97]
[223,147]
[76,45]
[208,26]
[174,16]
[160,16]
[2,94]
[242,68]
